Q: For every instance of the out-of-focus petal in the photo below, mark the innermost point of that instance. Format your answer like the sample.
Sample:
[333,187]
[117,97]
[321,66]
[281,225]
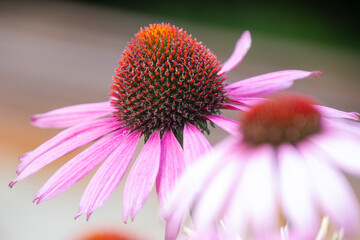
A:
[195,176]
[241,48]
[335,113]
[195,143]
[236,216]
[342,126]
[173,225]
[215,196]
[229,125]
[190,185]
[334,193]
[108,176]
[63,143]
[340,148]
[172,164]
[267,84]
[141,178]
[72,115]
[80,165]
[261,191]
[297,191]
[248,207]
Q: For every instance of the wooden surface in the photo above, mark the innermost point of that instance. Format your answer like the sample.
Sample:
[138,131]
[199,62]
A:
[59,54]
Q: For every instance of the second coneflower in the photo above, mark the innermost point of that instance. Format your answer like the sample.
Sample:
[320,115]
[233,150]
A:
[286,160]
[166,88]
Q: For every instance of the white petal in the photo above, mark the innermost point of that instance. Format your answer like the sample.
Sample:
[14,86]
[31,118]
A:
[214,197]
[334,194]
[297,193]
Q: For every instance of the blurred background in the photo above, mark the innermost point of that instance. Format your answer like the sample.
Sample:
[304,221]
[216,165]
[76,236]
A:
[59,53]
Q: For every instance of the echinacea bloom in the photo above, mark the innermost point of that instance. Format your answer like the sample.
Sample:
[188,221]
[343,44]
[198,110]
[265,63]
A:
[166,88]
[286,160]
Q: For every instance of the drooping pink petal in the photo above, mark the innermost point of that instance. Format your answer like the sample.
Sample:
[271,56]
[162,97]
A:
[267,84]
[334,194]
[108,176]
[172,164]
[229,125]
[215,196]
[340,148]
[63,143]
[342,126]
[195,176]
[80,165]
[72,115]
[241,48]
[189,185]
[335,113]
[195,143]
[254,202]
[297,191]
[236,215]
[260,189]
[173,225]
[141,178]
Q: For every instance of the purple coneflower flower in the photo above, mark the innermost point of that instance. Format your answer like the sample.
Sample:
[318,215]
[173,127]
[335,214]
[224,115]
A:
[285,161]
[166,88]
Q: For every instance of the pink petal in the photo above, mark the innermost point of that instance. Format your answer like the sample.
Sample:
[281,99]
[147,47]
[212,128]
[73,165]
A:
[172,164]
[241,48]
[142,177]
[247,101]
[260,189]
[72,115]
[229,125]
[195,143]
[237,216]
[267,84]
[195,176]
[63,143]
[234,107]
[334,113]
[254,200]
[340,148]
[108,176]
[297,191]
[80,165]
[334,194]
[342,126]
[173,225]
[215,197]
[194,179]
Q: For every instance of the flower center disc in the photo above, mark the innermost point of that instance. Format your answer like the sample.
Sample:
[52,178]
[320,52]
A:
[279,120]
[166,78]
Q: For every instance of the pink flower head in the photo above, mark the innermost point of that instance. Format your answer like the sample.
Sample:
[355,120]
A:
[166,88]
[285,160]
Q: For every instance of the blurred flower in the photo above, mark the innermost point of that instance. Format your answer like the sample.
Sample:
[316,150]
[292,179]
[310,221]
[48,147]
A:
[107,235]
[167,87]
[288,154]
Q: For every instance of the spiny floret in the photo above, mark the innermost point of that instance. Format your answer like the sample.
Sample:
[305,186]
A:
[287,118]
[165,79]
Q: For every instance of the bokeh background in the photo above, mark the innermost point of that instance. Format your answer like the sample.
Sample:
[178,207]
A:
[59,53]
